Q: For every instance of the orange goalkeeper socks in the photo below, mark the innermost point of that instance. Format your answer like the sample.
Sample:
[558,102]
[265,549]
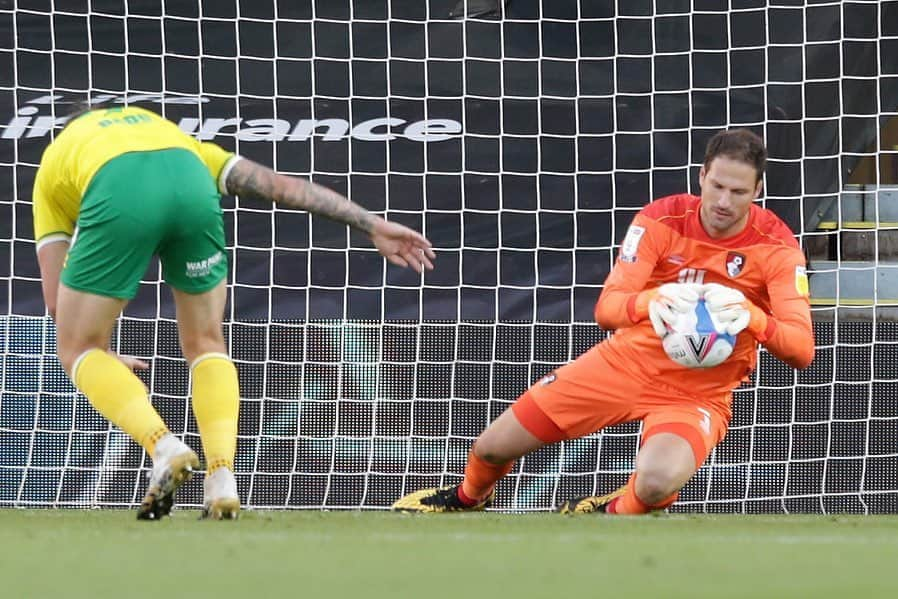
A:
[480,478]
[630,504]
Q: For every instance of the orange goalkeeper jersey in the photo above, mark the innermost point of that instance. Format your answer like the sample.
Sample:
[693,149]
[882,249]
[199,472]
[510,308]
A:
[666,243]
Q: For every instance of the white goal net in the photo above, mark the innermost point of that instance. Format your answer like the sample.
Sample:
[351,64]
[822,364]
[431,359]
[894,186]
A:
[521,145]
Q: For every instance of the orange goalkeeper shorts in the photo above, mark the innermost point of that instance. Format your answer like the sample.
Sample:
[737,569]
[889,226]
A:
[589,394]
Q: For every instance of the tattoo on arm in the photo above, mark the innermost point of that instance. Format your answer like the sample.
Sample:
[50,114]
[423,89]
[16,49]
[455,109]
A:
[250,179]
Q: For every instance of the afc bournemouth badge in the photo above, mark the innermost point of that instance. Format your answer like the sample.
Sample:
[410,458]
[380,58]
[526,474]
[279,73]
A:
[735,264]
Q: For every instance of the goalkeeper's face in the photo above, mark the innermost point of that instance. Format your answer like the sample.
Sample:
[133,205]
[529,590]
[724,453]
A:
[728,189]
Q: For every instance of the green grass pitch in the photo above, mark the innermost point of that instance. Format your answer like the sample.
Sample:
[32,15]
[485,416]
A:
[107,553]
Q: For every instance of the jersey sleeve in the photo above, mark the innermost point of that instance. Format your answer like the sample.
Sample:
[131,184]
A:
[218,161]
[51,222]
[790,335]
[638,256]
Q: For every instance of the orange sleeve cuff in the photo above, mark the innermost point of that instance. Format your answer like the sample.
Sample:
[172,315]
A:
[631,309]
[769,331]
[759,319]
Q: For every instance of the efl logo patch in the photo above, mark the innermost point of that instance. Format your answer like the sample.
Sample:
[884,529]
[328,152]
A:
[801,281]
[631,243]
[735,264]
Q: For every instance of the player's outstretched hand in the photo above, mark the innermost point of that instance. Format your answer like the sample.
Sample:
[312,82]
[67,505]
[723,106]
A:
[669,300]
[130,361]
[402,246]
[729,307]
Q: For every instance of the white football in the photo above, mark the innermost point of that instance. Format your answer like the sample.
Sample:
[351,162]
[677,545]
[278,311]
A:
[696,340]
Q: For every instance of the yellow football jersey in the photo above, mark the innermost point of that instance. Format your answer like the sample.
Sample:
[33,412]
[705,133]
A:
[90,141]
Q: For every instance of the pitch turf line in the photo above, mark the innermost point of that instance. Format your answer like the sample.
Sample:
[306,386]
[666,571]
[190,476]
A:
[98,554]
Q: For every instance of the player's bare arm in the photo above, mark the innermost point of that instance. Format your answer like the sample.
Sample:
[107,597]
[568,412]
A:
[398,244]
[251,179]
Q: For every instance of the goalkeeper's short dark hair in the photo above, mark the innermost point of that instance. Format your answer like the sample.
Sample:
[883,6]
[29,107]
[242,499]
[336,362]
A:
[739,144]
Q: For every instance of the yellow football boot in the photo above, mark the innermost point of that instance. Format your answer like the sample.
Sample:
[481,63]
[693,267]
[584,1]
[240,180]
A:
[438,500]
[589,505]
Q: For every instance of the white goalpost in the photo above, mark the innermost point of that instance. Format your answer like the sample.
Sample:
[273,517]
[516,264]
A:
[521,145]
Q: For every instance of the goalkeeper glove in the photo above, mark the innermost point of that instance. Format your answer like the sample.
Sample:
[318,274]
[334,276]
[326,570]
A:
[662,304]
[733,311]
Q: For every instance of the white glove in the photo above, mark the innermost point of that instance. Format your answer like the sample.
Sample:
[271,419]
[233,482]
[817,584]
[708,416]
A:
[670,300]
[727,306]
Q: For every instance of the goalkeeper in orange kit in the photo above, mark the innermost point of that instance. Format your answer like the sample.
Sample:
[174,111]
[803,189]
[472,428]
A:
[118,186]
[742,260]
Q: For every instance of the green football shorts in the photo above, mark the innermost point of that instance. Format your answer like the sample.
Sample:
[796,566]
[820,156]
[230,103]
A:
[163,202]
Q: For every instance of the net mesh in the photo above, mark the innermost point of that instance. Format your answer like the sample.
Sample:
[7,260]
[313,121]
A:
[522,147]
